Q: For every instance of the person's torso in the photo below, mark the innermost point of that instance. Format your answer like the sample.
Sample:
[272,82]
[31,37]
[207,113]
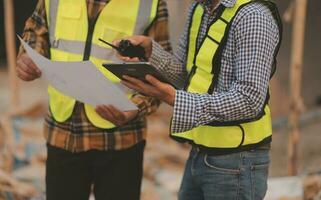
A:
[228,65]
[75,28]
[212,64]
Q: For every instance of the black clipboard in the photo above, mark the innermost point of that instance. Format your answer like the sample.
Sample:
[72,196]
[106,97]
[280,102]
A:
[137,70]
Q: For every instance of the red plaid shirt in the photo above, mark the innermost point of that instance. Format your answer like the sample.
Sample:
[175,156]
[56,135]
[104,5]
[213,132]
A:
[78,134]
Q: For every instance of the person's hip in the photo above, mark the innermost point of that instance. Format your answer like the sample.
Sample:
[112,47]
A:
[240,175]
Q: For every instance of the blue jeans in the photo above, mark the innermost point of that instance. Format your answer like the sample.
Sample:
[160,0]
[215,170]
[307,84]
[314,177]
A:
[237,176]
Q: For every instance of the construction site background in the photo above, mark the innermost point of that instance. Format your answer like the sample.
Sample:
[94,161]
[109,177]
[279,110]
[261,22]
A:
[22,154]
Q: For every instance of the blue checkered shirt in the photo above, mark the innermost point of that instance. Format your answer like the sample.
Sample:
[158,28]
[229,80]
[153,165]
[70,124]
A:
[245,70]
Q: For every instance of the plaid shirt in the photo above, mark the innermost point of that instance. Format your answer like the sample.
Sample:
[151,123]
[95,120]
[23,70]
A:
[77,134]
[244,75]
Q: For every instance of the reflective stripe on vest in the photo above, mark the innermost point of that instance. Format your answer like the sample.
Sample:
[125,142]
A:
[145,11]
[203,64]
[69,29]
[77,47]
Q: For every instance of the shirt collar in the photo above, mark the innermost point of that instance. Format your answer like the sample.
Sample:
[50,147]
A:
[226,3]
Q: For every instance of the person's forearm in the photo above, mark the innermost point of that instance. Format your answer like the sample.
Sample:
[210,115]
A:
[169,64]
[192,110]
[173,65]
[246,96]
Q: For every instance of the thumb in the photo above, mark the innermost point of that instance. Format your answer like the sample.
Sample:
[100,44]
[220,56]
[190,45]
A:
[154,81]
[135,40]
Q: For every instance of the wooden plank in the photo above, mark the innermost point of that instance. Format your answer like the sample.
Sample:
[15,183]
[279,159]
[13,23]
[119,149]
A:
[296,103]
[6,124]
[9,184]
[11,53]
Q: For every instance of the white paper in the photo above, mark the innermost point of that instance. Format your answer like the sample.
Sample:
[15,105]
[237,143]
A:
[80,80]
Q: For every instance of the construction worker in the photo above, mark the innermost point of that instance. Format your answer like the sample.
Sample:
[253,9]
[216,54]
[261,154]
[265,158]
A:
[225,57]
[100,147]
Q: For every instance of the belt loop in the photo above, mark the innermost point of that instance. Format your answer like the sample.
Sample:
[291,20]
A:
[73,144]
[196,148]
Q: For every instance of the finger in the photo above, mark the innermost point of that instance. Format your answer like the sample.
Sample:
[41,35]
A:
[144,88]
[24,76]
[106,108]
[133,80]
[154,81]
[20,75]
[23,66]
[30,64]
[113,117]
[130,114]
[128,59]
[130,85]
[133,83]
[116,42]
[104,113]
[120,116]
[135,40]
[135,59]
[138,83]
[120,57]
[100,111]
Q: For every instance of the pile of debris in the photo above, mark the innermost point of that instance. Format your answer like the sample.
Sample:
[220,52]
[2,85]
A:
[22,153]
[12,189]
[312,187]
[307,187]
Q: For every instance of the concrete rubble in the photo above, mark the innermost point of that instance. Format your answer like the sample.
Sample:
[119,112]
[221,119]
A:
[23,154]
[312,187]
[23,160]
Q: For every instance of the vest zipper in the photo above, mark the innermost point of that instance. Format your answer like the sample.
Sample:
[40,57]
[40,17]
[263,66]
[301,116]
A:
[91,27]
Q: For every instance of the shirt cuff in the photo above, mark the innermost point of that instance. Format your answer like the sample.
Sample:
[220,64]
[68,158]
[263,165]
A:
[185,116]
[157,54]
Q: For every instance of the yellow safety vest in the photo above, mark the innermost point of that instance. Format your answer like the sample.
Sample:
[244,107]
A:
[73,39]
[204,64]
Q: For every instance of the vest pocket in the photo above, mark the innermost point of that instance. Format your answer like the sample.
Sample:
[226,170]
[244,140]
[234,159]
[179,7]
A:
[113,34]
[70,11]
[71,21]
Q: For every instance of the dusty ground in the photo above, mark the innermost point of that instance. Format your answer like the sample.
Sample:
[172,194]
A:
[164,158]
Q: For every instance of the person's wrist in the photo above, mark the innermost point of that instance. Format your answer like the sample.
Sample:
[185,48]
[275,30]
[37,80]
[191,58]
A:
[133,115]
[170,97]
[148,46]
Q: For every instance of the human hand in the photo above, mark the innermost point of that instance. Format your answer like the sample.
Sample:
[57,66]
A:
[153,88]
[140,40]
[26,68]
[114,115]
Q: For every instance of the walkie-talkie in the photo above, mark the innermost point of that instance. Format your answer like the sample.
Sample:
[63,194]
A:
[127,49]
